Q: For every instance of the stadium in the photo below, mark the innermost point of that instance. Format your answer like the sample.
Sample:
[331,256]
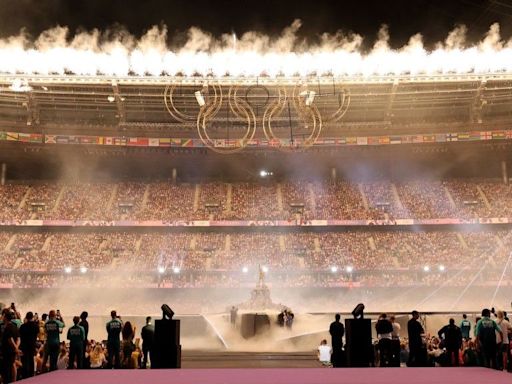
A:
[248,175]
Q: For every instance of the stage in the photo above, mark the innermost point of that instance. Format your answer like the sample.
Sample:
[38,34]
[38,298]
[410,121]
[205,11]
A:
[278,375]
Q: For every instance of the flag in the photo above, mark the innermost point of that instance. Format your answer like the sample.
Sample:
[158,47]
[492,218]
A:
[452,137]
[395,139]
[498,135]
[485,135]
[362,140]
[440,138]
[12,136]
[50,139]
[153,142]
[351,140]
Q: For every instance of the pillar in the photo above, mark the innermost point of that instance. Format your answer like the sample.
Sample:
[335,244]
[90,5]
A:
[333,174]
[504,173]
[174,175]
[3,174]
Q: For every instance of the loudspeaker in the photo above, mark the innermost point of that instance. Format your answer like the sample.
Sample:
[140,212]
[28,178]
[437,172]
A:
[358,336]
[166,351]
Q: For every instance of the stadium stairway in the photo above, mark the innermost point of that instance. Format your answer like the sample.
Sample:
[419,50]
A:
[229,195]
[396,196]
[483,197]
[312,197]
[59,198]
[197,194]
[9,244]
[279,198]
[112,197]
[363,196]
[24,199]
[449,197]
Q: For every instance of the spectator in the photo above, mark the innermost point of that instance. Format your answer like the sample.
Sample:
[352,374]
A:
[416,333]
[147,334]
[28,338]
[485,332]
[395,342]
[128,347]
[452,337]
[85,325]
[503,341]
[324,353]
[384,330]
[465,327]
[10,348]
[97,357]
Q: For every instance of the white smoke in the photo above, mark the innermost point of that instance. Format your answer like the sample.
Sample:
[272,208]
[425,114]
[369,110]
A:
[117,53]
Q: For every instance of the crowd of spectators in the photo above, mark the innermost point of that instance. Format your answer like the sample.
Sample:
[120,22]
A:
[266,200]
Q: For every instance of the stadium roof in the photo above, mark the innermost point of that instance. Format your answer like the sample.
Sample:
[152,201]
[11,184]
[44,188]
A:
[365,105]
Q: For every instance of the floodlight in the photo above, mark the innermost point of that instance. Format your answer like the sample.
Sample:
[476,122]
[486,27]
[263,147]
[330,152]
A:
[264,269]
[426,268]
[161,269]
[176,270]
[83,269]
[68,269]
[349,269]
[334,269]
[442,268]
[245,269]
[199,98]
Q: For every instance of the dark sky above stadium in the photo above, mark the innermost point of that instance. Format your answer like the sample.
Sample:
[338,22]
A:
[433,18]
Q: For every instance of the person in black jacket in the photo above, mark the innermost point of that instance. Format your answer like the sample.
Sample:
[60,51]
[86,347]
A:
[417,352]
[28,338]
[147,333]
[85,325]
[452,337]
[337,331]
[384,330]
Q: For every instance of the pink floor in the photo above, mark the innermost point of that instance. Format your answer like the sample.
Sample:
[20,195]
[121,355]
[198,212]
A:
[279,376]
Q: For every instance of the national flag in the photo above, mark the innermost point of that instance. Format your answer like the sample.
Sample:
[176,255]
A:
[440,138]
[23,137]
[88,139]
[474,135]
[498,135]
[274,143]
[49,139]
[12,136]
[395,139]
[61,139]
[463,136]
[253,143]
[109,140]
[341,141]
[485,135]
[384,140]
[429,138]
[75,139]
[417,139]
[153,142]
[407,139]
[329,142]
[35,138]
[508,134]
[352,140]
[452,137]
[362,140]
[187,143]
[3,136]
[372,140]
[219,143]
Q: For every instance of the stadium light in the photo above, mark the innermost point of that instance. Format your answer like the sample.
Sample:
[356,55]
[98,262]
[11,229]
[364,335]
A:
[161,270]
[83,269]
[310,98]
[334,269]
[245,269]
[176,270]
[426,268]
[349,269]
[111,98]
[264,269]
[441,268]
[199,98]
[265,173]
[68,269]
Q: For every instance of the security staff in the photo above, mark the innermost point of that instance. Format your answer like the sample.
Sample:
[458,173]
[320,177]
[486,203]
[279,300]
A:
[76,337]
[53,328]
[114,327]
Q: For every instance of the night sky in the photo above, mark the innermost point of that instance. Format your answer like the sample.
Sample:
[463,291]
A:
[434,19]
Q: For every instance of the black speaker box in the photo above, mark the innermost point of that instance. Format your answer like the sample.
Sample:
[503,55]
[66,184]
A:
[166,351]
[358,346]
